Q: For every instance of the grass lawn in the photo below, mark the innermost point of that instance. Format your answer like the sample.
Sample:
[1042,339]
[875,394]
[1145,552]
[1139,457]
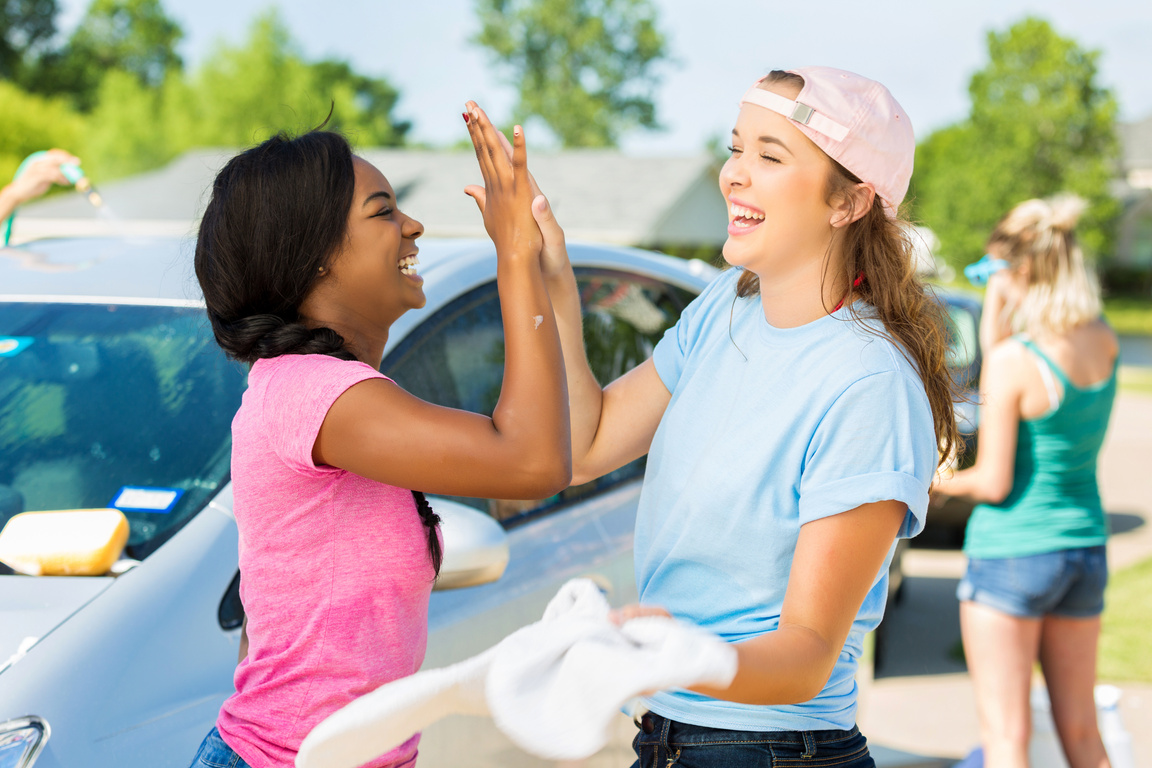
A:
[1126,640]
[1130,316]
[1134,379]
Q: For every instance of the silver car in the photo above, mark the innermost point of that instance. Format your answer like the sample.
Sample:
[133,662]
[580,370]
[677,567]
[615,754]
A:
[113,393]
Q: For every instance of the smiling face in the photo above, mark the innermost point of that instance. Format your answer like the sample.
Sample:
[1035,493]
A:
[372,278]
[775,182]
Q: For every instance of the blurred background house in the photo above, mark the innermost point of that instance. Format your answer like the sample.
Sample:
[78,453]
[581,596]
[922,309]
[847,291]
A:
[670,203]
[1134,189]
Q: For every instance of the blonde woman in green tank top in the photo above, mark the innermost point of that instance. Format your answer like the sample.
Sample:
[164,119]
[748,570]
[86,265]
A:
[1034,588]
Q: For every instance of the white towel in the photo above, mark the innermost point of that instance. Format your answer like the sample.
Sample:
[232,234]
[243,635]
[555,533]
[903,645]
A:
[552,687]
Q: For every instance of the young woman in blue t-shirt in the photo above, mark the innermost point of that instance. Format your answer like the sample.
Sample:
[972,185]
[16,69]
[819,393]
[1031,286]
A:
[792,420]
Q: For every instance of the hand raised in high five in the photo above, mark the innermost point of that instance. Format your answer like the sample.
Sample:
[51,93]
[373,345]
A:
[505,200]
[554,255]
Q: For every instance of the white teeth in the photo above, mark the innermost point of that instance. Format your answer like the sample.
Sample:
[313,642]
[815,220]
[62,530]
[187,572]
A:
[740,212]
[408,265]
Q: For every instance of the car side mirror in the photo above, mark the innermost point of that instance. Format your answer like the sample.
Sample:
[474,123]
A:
[475,546]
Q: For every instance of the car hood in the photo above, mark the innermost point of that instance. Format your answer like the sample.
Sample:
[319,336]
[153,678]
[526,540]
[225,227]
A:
[33,606]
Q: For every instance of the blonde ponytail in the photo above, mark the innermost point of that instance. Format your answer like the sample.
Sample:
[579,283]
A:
[1038,237]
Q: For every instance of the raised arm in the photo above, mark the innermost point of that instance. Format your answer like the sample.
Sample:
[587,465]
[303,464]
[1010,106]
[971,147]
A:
[378,430]
[1003,294]
[611,425]
[36,179]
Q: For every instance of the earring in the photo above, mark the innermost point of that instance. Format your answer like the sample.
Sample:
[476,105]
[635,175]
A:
[322,270]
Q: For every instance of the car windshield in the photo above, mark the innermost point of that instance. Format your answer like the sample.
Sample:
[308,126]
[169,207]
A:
[106,405]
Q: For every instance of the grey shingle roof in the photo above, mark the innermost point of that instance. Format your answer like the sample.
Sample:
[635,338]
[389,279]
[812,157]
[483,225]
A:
[1136,144]
[597,195]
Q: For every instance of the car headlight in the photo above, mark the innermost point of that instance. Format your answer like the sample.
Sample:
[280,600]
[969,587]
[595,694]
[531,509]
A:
[21,741]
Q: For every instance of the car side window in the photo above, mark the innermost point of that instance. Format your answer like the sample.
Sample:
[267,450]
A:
[963,344]
[456,358]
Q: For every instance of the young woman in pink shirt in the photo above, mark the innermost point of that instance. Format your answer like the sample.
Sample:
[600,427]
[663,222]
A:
[305,261]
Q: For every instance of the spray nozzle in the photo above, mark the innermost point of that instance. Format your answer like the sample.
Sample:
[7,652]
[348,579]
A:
[76,175]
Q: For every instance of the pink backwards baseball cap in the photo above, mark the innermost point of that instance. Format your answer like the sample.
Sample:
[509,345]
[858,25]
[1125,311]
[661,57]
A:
[855,121]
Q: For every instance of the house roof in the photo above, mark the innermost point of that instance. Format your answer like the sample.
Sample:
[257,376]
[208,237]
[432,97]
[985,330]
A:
[598,195]
[1136,144]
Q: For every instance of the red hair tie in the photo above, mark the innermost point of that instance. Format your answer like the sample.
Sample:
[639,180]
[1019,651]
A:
[855,284]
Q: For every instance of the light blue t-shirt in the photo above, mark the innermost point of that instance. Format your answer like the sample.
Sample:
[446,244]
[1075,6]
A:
[768,429]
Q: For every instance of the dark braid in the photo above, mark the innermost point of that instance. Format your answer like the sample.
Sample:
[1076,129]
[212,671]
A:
[431,521]
[264,336]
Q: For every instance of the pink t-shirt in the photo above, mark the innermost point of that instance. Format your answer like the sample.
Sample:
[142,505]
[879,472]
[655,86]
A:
[335,570]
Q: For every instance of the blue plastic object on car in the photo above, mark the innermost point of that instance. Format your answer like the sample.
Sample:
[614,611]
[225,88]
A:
[978,272]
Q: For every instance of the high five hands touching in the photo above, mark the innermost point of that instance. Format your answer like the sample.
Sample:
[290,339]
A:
[505,200]
[554,253]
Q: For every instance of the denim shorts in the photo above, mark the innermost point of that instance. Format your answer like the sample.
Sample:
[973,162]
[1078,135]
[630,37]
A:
[217,754]
[1068,583]
[664,743]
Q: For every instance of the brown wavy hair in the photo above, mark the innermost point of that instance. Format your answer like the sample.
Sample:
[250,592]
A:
[879,248]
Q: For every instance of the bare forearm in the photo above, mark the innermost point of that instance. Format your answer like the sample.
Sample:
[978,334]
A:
[974,484]
[994,326]
[532,410]
[788,666]
[585,395]
[8,202]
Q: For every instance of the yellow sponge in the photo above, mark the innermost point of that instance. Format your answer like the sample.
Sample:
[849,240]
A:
[74,542]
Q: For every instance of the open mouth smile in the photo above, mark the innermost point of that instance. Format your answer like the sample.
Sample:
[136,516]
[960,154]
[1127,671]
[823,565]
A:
[742,218]
[408,264]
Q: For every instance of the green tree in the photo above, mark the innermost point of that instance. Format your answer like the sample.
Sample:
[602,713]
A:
[362,105]
[26,26]
[127,131]
[1040,123]
[32,123]
[583,67]
[133,36]
[242,94]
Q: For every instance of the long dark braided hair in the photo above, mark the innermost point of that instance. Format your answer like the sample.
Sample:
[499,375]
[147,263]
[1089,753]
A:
[431,522]
[278,213]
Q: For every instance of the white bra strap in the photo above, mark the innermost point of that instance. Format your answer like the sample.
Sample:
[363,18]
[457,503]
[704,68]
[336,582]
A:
[1049,382]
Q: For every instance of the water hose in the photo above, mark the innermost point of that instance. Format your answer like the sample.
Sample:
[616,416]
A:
[71,171]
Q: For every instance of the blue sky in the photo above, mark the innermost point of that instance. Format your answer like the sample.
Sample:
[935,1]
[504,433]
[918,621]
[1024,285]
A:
[923,50]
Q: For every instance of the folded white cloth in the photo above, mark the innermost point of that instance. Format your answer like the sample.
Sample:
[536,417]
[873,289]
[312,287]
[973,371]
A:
[552,687]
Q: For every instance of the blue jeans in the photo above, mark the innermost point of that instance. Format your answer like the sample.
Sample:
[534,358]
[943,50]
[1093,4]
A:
[664,743]
[1068,582]
[215,753]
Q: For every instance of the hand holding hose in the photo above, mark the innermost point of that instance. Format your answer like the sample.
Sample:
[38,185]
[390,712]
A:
[36,175]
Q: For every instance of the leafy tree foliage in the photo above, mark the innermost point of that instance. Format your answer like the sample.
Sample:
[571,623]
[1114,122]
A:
[25,26]
[243,94]
[140,109]
[583,67]
[32,123]
[362,105]
[134,36]
[1040,123]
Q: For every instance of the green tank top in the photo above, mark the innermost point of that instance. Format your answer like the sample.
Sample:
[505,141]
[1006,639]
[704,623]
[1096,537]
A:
[1055,500]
